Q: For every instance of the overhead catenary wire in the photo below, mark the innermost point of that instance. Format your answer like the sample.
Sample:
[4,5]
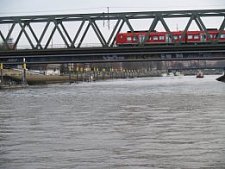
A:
[102,8]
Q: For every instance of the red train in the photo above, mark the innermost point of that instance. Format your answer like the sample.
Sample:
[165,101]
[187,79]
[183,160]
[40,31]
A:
[138,37]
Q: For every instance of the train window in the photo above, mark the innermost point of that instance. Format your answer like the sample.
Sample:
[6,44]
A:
[212,36]
[222,36]
[161,38]
[155,38]
[175,37]
[129,38]
[196,36]
[190,37]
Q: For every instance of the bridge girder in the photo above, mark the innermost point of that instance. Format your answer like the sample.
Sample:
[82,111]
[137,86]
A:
[87,21]
[103,55]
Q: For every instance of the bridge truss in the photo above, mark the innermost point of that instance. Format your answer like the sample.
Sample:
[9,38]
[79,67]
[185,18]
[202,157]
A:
[57,23]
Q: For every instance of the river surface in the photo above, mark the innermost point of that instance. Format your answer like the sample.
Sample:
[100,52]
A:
[166,122]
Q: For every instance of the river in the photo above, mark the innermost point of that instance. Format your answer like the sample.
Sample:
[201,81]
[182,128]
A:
[163,122]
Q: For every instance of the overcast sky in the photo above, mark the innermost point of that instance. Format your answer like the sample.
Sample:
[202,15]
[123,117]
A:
[48,7]
[38,7]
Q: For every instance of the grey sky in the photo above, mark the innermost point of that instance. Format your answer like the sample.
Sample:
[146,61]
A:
[38,7]
[48,7]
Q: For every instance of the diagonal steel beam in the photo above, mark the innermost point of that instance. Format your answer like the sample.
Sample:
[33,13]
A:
[42,35]
[166,27]
[151,28]
[84,34]
[121,26]
[3,38]
[19,36]
[129,25]
[56,22]
[50,37]
[25,33]
[186,28]
[78,33]
[33,33]
[11,30]
[98,33]
[65,31]
[9,35]
[197,17]
[113,32]
[222,26]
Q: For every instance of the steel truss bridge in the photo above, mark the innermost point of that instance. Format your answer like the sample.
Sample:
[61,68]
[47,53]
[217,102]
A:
[74,52]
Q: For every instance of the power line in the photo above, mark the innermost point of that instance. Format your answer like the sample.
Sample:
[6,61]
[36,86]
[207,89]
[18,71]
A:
[112,8]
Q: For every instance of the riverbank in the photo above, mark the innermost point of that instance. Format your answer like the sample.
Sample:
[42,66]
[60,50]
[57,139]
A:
[14,77]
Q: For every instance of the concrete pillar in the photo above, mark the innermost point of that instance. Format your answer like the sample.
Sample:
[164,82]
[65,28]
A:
[24,80]
[1,71]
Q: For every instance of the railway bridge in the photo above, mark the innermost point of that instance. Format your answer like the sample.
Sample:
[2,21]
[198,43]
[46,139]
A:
[38,33]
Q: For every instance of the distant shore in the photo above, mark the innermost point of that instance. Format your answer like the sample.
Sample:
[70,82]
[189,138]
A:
[13,78]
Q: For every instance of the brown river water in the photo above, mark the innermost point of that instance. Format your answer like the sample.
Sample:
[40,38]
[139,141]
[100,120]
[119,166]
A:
[164,122]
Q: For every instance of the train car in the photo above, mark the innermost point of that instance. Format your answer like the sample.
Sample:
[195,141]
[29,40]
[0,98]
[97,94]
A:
[191,37]
[213,35]
[136,38]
